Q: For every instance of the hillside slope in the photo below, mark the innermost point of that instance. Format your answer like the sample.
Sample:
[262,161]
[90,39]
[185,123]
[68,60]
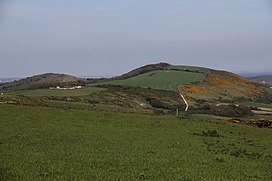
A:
[43,81]
[223,86]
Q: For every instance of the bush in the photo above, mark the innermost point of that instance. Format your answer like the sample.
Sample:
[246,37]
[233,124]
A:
[242,110]
[156,103]
[228,110]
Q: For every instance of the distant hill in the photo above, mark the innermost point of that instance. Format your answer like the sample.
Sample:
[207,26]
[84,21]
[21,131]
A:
[199,85]
[5,80]
[254,74]
[196,83]
[265,79]
[43,81]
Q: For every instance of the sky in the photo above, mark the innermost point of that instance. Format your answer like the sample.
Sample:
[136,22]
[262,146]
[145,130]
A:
[111,37]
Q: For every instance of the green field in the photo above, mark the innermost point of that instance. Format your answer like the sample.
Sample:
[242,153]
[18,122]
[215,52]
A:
[161,79]
[47,92]
[39,143]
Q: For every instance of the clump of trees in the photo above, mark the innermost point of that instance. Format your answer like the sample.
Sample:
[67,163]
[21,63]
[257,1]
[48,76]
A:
[156,103]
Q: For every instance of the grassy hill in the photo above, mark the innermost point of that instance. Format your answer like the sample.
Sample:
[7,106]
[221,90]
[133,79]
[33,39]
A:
[42,81]
[197,84]
[152,88]
[169,78]
[160,79]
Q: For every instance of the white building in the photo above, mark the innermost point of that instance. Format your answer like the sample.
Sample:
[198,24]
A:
[65,88]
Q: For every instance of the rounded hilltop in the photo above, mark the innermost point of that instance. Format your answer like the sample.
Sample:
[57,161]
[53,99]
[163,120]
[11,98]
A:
[44,81]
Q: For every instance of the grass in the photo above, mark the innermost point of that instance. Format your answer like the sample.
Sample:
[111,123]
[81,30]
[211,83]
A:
[47,92]
[39,143]
[161,79]
[207,116]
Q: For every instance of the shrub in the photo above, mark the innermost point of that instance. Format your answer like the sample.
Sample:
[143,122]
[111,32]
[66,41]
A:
[242,110]
[228,110]
[159,104]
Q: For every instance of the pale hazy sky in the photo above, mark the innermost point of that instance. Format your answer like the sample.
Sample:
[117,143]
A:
[109,37]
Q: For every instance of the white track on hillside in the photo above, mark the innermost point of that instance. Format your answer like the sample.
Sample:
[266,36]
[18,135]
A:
[187,105]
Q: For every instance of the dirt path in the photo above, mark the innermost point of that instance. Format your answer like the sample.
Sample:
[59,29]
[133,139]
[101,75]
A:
[186,103]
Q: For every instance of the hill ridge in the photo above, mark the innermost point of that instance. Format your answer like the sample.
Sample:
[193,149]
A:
[44,80]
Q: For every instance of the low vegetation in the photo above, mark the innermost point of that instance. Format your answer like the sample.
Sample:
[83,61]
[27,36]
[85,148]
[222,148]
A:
[228,110]
[47,92]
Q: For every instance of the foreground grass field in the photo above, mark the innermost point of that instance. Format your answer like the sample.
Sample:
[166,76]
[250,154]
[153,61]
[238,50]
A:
[38,143]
